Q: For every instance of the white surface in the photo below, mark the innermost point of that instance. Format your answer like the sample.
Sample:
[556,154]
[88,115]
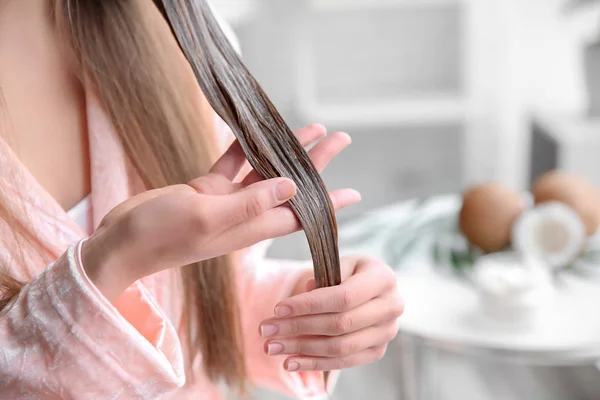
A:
[523,56]
[433,107]
[584,22]
[425,110]
[445,310]
[350,4]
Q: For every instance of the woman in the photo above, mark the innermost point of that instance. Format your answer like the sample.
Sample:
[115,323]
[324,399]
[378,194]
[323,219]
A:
[100,104]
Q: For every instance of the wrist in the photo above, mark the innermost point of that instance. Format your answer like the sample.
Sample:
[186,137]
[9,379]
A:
[104,264]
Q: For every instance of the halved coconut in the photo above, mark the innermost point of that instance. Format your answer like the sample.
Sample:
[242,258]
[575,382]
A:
[552,232]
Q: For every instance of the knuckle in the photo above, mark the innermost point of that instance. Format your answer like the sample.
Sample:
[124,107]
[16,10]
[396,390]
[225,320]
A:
[207,184]
[395,310]
[370,262]
[388,277]
[297,347]
[294,327]
[199,218]
[342,363]
[342,323]
[390,282]
[382,270]
[109,218]
[347,299]
[392,279]
[312,304]
[200,186]
[131,224]
[253,207]
[339,347]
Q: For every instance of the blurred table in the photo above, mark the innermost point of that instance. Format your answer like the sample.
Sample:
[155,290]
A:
[441,306]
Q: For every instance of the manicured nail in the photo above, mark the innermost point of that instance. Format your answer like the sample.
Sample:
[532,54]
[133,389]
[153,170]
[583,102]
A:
[348,137]
[293,366]
[268,330]
[274,348]
[285,190]
[283,311]
[319,127]
[354,194]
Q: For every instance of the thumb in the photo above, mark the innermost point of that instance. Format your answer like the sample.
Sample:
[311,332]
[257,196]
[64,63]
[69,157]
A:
[256,199]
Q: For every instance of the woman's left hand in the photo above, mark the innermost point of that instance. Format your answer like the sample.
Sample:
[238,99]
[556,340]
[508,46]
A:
[337,327]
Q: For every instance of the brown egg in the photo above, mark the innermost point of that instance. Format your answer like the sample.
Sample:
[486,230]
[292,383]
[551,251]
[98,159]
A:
[487,215]
[576,192]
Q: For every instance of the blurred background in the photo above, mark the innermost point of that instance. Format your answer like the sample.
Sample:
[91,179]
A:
[437,95]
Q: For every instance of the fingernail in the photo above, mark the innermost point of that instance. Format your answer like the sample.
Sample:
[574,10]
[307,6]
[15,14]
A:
[320,127]
[293,366]
[355,194]
[274,348]
[348,137]
[283,311]
[285,190]
[268,330]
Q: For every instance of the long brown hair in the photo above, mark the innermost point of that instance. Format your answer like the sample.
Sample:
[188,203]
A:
[165,127]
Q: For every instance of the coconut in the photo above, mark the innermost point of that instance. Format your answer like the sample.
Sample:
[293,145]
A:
[552,232]
[487,215]
[572,190]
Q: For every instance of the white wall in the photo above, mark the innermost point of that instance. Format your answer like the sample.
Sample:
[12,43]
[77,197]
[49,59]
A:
[520,57]
[544,74]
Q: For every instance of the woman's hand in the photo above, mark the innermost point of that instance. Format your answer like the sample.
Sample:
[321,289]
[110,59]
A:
[211,216]
[337,327]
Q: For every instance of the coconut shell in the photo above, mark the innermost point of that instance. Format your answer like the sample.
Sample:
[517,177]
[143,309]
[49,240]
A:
[487,215]
[574,191]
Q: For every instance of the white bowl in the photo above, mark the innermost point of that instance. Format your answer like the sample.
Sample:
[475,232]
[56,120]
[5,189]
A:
[512,288]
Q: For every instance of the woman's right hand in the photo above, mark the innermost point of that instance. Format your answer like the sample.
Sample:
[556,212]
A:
[209,217]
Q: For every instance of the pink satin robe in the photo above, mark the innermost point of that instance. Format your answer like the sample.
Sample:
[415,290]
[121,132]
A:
[63,339]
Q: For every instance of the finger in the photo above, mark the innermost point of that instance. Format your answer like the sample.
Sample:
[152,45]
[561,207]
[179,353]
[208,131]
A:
[233,160]
[305,136]
[375,312]
[321,154]
[311,285]
[339,346]
[304,363]
[279,221]
[328,148]
[310,134]
[282,221]
[230,163]
[371,278]
[254,200]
